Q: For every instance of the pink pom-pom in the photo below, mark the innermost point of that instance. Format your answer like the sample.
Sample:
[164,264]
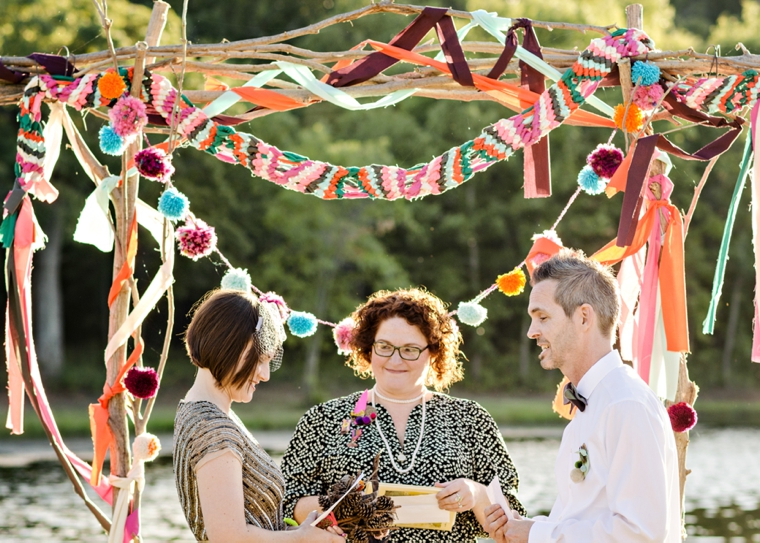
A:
[648,97]
[153,163]
[128,117]
[142,382]
[343,334]
[277,300]
[605,160]
[682,417]
[196,239]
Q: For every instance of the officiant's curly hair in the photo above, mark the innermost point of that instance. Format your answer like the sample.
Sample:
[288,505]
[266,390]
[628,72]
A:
[419,308]
[582,280]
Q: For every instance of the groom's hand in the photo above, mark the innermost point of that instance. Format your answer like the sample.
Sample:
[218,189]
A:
[517,529]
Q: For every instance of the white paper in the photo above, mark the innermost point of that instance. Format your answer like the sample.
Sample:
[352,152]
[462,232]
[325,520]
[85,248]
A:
[495,495]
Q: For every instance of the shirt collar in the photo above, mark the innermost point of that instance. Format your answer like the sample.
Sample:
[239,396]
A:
[597,372]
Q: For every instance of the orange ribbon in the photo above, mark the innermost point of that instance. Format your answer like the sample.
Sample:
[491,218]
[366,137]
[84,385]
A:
[127,269]
[672,273]
[102,436]
[543,249]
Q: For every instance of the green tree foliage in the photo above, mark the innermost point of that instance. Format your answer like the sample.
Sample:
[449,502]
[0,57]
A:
[326,257]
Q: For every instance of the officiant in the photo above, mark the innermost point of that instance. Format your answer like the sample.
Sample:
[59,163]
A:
[406,342]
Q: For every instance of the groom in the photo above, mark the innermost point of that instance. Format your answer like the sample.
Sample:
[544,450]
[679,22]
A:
[616,469]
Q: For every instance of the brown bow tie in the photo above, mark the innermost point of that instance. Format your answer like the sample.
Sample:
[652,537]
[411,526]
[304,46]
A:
[572,396]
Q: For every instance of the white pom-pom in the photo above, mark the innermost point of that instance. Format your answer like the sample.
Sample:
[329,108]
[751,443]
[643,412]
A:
[146,447]
[471,313]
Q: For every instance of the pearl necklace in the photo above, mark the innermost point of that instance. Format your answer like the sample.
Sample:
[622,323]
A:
[401,456]
[393,400]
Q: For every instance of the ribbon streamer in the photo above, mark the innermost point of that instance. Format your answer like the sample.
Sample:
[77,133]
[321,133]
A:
[708,325]
[756,232]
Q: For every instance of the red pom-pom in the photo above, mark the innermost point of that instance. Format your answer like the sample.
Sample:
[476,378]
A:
[142,382]
[682,417]
[196,239]
[605,160]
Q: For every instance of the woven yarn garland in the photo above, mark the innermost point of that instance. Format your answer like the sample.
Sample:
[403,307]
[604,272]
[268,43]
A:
[327,181]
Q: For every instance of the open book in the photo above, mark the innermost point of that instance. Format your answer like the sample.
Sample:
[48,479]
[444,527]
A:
[418,507]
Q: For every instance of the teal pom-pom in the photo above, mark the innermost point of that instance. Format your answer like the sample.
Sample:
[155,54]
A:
[110,142]
[471,313]
[237,279]
[173,204]
[302,324]
[590,182]
[645,73]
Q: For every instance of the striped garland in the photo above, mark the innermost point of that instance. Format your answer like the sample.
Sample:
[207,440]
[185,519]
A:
[496,142]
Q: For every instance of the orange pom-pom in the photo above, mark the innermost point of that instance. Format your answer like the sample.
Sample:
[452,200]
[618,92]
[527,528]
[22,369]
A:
[111,86]
[634,119]
[512,283]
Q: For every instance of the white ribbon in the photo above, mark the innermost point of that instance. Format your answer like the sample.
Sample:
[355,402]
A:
[94,226]
[53,133]
[136,476]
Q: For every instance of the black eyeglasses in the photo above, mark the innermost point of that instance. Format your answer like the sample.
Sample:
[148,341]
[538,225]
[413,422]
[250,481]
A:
[407,352]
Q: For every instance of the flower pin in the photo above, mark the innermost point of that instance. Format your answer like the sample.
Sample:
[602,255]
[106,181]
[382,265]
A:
[361,417]
[582,465]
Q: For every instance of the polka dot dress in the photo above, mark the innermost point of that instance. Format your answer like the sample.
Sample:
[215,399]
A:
[460,439]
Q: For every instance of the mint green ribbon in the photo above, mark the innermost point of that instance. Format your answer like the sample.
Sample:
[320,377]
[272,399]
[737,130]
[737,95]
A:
[720,270]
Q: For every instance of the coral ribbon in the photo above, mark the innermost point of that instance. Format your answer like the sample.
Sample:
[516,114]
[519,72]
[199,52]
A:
[102,436]
[543,249]
[127,269]
[671,273]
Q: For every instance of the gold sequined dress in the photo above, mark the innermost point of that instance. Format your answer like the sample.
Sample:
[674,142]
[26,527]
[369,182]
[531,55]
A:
[203,431]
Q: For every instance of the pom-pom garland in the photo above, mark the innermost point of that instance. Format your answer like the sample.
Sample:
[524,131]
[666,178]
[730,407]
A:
[196,239]
[343,333]
[645,73]
[634,119]
[155,164]
[128,117]
[302,324]
[111,85]
[512,283]
[141,382]
[682,417]
[237,279]
[173,204]
[472,313]
[605,160]
[110,142]
[146,447]
[551,235]
[590,182]
[648,97]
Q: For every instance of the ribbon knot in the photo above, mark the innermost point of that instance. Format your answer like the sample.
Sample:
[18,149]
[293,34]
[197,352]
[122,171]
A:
[572,396]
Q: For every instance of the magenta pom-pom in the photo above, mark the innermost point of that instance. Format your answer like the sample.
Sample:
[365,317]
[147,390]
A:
[682,417]
[196,239]
[142,382]
[605,160]
[128,116]
[648,97]
[343,334]
[154,163]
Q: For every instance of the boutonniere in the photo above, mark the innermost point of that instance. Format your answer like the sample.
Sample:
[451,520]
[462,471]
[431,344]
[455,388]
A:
[582,465]
[361,417]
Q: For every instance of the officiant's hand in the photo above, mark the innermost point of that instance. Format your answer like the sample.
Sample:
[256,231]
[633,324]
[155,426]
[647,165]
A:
[457,495]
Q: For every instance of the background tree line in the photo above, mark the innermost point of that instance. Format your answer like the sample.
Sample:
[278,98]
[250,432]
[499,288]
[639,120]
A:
[326,257]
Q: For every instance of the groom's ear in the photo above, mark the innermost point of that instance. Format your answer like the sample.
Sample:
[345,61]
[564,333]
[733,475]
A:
[586,316]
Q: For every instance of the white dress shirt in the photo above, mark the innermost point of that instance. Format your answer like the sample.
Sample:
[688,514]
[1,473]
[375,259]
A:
[631,491]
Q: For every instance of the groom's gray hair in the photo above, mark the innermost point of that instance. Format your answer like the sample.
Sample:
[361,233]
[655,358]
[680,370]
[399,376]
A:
[581,280]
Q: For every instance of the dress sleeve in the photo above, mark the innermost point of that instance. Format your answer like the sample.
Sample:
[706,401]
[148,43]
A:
[491,457]
[214,435]
[300,463]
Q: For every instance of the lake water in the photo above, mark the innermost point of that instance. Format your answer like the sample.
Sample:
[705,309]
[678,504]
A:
[37,502]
